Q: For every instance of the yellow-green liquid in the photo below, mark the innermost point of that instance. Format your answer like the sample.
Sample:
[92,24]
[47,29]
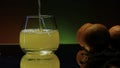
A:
[36,39]
[40,61]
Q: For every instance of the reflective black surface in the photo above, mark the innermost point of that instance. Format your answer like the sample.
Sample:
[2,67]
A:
[10,56]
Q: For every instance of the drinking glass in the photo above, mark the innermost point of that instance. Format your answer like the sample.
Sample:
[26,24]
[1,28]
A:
[39,35]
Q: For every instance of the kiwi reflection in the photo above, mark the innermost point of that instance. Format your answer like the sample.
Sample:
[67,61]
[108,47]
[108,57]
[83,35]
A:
[39,61]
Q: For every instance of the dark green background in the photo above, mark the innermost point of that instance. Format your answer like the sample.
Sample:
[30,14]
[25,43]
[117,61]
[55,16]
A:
[69,14]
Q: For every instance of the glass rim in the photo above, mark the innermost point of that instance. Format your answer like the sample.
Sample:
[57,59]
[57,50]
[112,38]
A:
[41,16]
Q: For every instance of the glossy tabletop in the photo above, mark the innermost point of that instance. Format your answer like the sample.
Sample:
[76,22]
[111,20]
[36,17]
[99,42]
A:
[11,55]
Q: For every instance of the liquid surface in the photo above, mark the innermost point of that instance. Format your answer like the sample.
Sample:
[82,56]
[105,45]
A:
[35,39]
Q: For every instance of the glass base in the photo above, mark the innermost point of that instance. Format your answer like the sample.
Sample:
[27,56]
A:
[40,51]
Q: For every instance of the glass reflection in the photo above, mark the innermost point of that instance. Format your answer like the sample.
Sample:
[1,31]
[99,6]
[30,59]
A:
[40,61]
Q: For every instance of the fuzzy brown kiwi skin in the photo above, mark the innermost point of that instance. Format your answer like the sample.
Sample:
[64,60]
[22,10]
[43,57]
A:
[115,37]
[94,37]
[80,33]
